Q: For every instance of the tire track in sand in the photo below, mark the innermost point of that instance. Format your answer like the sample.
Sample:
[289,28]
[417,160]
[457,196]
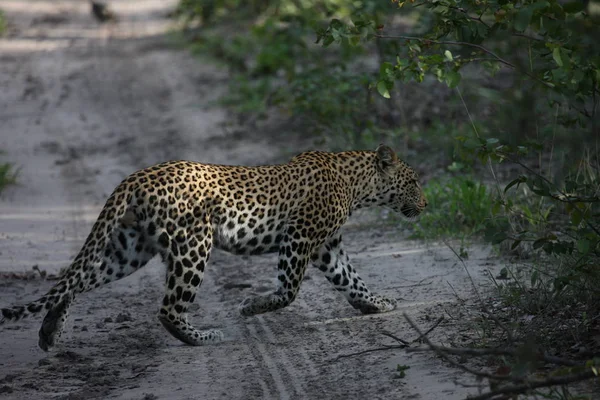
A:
[274,385]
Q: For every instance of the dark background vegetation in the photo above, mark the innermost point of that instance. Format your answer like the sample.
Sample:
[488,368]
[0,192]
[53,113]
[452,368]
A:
[495,102]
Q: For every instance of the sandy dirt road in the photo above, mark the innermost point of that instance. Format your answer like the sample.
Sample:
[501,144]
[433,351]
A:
[81,106]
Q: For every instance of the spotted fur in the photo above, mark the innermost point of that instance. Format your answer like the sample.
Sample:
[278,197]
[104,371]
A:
[181,209]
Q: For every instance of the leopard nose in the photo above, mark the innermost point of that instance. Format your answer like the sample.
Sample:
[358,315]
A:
[424,202]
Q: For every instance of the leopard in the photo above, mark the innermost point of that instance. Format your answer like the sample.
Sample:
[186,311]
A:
[181,210]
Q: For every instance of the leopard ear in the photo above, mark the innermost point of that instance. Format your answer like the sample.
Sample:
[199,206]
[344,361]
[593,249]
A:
[386,157]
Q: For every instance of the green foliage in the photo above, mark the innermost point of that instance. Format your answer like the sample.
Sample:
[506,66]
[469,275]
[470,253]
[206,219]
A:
[314,90]
[8,176]
[559,218]
[554,41]
[274,64]
[250,96]
[401,371]
[2,23]
[458,207]
[207,11]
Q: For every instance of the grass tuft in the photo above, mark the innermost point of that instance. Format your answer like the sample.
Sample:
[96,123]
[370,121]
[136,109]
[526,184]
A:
[8,176]
[459,206]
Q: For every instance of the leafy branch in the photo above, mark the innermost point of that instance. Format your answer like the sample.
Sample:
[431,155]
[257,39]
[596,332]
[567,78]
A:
[495,57]
[453,43]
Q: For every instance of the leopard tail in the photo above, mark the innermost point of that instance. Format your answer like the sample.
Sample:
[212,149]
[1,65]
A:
[71,279]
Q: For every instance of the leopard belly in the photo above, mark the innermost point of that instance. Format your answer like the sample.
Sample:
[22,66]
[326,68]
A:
[261,237]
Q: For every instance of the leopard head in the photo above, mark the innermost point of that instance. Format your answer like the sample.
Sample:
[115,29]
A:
[398,184]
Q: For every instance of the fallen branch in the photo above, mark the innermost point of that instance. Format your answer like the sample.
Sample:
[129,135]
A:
[358,353]
[439,351]
[419,283]
[535,384]
[423,335]
[404,344]
[518,385]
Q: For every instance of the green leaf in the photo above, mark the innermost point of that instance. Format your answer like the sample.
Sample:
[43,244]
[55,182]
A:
[566,60]
[539,243]
[583,246]
[453,79]
[557,57]
[383,90]
[573,7]
[539,186]
[328,40]
[523,18]
[495,237]
[491,141]
[549,248]
[448,55]
[570,186]
[517,182]
[534,277]
[415,47]
[576,217]
[560,283]
[386,69]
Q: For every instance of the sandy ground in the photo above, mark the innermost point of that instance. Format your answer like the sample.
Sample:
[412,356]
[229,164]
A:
[81,106]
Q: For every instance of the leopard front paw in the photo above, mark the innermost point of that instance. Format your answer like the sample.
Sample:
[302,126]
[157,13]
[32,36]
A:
[262,304]
[375,304]
[248,307]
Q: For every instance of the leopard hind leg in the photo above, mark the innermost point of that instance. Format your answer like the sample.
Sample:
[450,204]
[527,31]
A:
[128,249]
[186,252]
[53,323]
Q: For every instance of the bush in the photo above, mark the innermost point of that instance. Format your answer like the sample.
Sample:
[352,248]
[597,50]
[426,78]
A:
[458,207]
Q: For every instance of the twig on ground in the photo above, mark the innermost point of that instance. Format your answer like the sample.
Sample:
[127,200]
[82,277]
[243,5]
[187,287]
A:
[411,286]
[358,353]
[460,299]
[467,351]
[417,284]
[423,335]
[404,342]
[32,274]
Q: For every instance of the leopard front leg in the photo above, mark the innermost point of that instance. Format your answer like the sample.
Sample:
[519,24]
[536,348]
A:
[332,260]
[294,254]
